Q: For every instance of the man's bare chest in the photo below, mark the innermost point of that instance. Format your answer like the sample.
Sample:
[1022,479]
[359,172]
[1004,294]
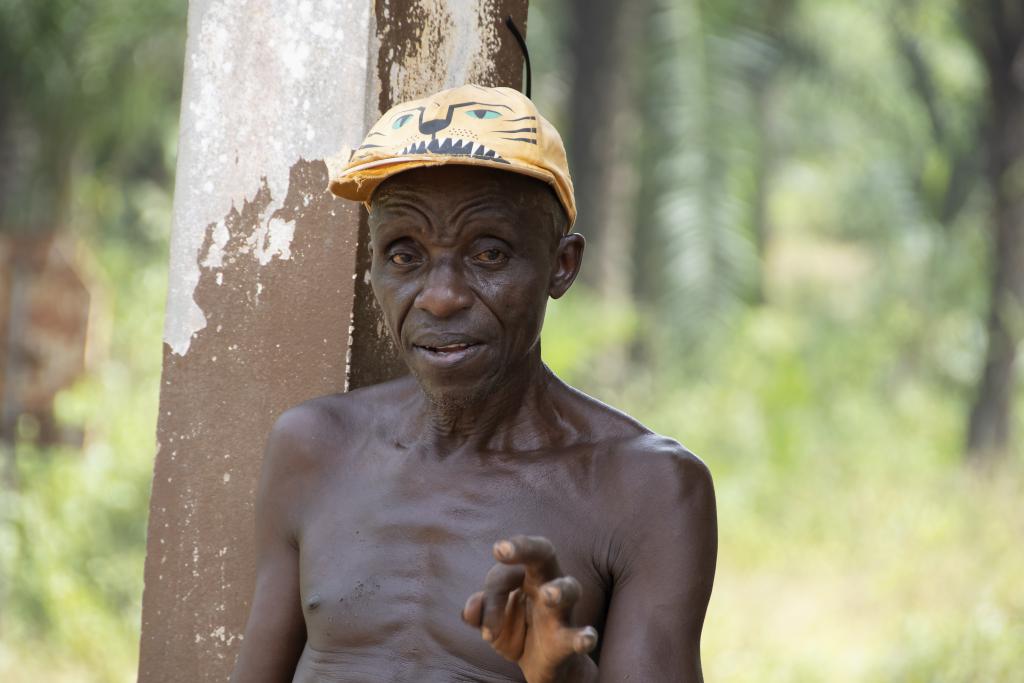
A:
[388,556]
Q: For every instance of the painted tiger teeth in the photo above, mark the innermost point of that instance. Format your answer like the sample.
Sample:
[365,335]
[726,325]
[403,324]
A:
[451,146]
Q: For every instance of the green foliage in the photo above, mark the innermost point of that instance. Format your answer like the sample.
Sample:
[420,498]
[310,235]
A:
[695,254]
[72,533]
[580,332]
[93,123]
[91,90]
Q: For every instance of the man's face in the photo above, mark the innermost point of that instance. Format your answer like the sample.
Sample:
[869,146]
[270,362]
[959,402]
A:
[464,260]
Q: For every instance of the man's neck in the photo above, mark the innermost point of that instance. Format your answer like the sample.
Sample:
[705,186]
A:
[508,416]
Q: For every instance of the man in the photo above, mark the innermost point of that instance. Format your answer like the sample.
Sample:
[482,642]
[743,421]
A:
[382,510]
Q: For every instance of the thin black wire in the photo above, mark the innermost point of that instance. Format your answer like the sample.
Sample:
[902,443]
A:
[526,53]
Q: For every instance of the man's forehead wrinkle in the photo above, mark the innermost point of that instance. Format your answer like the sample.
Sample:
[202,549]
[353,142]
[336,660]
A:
[447,207]
[397,200]
[431,221]
[449,200]
[397,205]
[483,204]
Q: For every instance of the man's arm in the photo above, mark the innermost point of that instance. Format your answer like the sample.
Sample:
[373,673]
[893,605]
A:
[276,632]
[663,501]
[667,567]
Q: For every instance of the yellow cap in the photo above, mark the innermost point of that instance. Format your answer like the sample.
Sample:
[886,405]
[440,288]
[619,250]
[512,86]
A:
[471,125]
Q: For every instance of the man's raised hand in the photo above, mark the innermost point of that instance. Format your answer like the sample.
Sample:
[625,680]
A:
[525,613]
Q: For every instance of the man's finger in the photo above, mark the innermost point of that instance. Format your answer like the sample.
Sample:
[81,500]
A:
[512,640]
[536,553]
[473,611]
[500,581]
[560,596]
[582,640]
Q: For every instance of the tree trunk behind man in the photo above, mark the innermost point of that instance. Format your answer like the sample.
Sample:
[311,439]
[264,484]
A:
[997,30]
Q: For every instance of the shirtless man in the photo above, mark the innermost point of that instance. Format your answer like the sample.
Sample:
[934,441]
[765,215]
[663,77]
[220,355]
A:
[381,511]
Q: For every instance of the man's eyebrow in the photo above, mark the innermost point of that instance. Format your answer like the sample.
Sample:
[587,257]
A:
[396,202]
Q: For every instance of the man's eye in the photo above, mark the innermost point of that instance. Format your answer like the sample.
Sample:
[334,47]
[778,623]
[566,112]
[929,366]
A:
[401,258]
[490,256]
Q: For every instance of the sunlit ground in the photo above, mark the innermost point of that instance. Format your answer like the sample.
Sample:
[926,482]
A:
[887,573]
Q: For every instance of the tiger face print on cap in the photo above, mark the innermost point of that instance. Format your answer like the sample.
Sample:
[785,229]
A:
[472,125]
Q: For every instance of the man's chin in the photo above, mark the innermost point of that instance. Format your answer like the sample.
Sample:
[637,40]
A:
[452,391]
[452,403]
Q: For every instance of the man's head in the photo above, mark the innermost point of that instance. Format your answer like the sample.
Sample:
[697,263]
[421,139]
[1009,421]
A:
[470,204]
[464,260]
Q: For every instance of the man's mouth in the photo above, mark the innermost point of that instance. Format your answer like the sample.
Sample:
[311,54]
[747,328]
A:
[447,354]
[447,348]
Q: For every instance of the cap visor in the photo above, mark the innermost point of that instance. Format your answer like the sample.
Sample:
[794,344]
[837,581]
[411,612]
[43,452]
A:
[359,182]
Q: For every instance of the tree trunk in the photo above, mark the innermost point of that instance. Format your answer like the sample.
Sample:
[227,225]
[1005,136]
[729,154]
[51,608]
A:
[764,167]
[604,129]
[602,36]
[998,34]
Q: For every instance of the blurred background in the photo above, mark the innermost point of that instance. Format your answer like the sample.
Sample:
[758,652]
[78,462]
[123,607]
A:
[805,225]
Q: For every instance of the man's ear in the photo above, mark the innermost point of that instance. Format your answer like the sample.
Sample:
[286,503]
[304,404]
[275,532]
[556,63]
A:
[568,259]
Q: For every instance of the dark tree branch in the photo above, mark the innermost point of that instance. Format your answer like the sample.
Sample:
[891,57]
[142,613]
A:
[921,80]
[962,179]
[964,160]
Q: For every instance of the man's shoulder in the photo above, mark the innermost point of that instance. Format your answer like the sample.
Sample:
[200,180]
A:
[651,463]
[636,457]
[325,427]
[652,488]
[622,436]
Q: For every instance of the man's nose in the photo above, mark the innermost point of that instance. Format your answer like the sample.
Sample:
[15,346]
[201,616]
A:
[445,292]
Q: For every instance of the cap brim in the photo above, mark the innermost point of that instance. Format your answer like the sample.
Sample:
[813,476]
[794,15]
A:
[358,183]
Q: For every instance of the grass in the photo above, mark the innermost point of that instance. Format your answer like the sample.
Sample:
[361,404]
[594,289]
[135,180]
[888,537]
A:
[882,576]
